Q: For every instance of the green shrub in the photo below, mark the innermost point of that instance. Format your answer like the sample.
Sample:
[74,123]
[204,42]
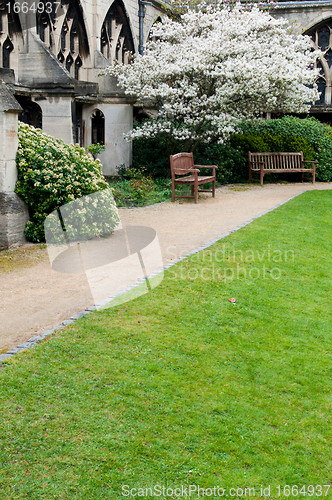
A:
[153,155]
[95,149]
[280,135]
[139,187]
[141,191]
[271,143]
[231,163]
[250,142]
[52,174]
[308,135]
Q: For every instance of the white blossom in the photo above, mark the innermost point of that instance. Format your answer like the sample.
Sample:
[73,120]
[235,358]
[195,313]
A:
[218,66]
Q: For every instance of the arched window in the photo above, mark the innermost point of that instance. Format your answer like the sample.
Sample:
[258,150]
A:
[32,113]
[9,26]
[78,64]
[116,39]
[98,127]
[7,48]
[63,31]
[322,39]
[45,26]
[156,21]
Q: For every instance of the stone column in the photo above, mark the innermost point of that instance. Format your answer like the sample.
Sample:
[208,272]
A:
[13,211]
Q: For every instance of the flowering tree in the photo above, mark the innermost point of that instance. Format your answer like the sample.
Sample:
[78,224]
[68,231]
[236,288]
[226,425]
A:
[215,67]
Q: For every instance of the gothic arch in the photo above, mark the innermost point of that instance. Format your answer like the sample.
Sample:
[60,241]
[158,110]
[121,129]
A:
[157,20]
[7,49]
[97,127]
[63,31]
[321,38]
[116,38]
[9,27]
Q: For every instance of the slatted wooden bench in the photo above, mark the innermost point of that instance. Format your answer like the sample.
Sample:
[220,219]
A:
[182,164]
[267,163]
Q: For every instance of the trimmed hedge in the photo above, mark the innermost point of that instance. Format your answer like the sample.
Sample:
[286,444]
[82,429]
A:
[280,135]
[295,134]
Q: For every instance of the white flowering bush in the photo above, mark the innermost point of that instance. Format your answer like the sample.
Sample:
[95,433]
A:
[52,174]
[215,67]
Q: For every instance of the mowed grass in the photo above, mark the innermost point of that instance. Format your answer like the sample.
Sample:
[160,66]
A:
[182,387]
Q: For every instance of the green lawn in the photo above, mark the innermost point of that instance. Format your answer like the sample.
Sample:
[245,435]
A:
[182,387]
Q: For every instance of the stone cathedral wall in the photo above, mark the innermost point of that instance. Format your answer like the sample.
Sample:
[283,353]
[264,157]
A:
[50,62]
[57,56]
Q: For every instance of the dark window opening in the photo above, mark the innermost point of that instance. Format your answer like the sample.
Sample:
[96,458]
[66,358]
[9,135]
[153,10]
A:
[32,113]
[98,127]
[78,123]
[69,62]
[45,20]
[78,64]
[7,48]
[61,57]
[42,28]
[321,85]
[139,114]
[74,45]
[63,36]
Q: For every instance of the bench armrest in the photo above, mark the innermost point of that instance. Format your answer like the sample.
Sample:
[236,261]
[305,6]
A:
[206,166]
[308,161]
[178,171]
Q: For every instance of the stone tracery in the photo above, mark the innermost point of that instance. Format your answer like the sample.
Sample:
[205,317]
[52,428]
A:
[116,38]
[9,26]
[63,31]
[321,37]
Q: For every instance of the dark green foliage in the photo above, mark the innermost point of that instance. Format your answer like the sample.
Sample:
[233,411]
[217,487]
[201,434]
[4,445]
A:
[281,135]
[95,149]
[136,188]
[231,163]
[153,155]
[295,134]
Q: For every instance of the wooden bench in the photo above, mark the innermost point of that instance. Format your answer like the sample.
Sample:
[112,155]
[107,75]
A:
[273,163]
[182,164]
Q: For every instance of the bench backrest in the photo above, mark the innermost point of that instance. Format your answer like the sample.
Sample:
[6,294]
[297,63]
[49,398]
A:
[273,161]
[181,161]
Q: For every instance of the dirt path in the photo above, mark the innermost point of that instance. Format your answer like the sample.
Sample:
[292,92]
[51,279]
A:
[34,297]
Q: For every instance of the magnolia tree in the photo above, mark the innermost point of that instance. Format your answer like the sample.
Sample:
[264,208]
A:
[216,67]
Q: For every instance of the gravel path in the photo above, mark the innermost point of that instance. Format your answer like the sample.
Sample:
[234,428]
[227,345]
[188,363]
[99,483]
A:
[35,297]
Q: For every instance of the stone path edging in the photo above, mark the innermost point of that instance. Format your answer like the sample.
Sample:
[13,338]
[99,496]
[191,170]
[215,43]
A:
[34,340]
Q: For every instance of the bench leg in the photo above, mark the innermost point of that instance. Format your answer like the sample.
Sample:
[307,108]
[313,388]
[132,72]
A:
[173,192]
[196,192]
[261,168]
[250,176]
[213,189]
[302,178]
[314,176]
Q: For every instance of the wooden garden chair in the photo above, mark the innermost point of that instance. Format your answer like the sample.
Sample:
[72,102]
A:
[183,164]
